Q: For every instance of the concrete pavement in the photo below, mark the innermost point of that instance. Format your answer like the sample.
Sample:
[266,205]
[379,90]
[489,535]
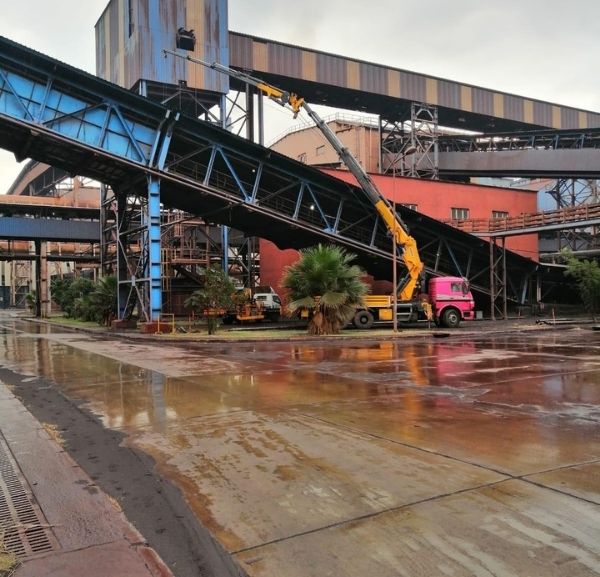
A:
[65,524]
[471,455]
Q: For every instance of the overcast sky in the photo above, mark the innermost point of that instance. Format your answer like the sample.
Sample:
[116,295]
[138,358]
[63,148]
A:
[544,49]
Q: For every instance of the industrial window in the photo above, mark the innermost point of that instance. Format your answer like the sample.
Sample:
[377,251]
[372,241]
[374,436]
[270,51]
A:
[185,39]
[411,206]
[302,158]
[320,150]
[499,214]
[459,213]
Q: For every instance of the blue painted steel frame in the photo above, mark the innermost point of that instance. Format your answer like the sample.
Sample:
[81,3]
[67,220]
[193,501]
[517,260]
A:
[102,125]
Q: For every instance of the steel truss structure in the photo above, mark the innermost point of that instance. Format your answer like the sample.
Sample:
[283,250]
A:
[523,140]
[569,193]
[240,112]
[409,146]
[423,162]
[152,157]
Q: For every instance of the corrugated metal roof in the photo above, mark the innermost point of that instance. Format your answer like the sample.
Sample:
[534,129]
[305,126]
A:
[355,84]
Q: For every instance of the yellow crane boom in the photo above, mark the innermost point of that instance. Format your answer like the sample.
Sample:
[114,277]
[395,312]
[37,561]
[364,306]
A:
[405,242]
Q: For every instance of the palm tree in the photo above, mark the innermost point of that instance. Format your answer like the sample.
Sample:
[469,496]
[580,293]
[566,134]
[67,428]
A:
[103,300]
[325,283]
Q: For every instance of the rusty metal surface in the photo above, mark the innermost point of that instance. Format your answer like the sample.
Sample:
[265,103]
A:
[130,37]
[474,455]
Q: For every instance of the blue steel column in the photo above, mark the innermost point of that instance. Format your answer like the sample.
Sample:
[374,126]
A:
[124,278]
[224,228]
[225,248]
[154,269]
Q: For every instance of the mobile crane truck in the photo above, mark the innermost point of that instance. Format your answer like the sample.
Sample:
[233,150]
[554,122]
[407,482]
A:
[449,299]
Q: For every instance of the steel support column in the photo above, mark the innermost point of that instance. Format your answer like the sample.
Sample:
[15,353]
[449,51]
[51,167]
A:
[498,280]
[108,228]
[571,193]
[124,310]
[42,300]
[492,280]
[504,286]
[153,264]
[424,161]
[225,248]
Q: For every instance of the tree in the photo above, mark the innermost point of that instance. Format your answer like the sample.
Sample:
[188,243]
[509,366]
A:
[103,300]
[325,283]
[587,275]
[58,290]
[74,298]
[213,298]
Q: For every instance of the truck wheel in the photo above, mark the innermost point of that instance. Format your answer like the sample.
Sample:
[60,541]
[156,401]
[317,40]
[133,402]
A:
[363,320]
[451,318]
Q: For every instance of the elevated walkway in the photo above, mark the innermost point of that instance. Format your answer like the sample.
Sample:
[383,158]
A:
[532,154]
[580,216]
[47,219]
[532,163]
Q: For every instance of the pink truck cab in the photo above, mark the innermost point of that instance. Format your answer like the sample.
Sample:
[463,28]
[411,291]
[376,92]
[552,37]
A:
[447,302]
[451,300]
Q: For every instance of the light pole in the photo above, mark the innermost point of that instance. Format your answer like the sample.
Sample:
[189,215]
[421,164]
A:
[394,258]
[410,149]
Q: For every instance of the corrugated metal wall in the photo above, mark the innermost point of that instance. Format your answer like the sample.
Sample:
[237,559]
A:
[131,34]
[267,56]
[21,228]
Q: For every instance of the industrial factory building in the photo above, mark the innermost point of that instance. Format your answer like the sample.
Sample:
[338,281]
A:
[427,143]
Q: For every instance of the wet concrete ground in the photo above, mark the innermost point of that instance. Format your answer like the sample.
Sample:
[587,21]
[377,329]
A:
[478,454]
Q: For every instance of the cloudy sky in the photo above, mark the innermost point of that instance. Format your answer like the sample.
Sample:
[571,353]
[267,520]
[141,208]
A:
[545,49]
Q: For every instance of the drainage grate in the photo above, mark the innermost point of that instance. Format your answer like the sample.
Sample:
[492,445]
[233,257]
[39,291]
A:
[23,526]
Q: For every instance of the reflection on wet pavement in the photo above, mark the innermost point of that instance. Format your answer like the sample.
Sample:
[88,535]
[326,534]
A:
[396,455]
[264,477]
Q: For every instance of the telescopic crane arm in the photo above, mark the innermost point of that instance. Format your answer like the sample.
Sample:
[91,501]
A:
[393,222]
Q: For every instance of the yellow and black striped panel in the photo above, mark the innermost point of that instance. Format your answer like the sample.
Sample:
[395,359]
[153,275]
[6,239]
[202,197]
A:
[276,58]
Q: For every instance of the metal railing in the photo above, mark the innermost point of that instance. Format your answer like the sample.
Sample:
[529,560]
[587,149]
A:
[568,215]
